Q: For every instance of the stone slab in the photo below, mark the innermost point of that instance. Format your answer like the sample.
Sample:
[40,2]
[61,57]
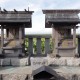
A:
[23,61]
[64,61]
[15,62]
[38,62]
[6,62]
[57,61]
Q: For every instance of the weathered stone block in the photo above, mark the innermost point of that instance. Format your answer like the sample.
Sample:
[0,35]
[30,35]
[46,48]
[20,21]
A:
[70,61]
[15,62]
[6,62]
[76,62]
[23,61]
[57,61]
[73,61]
[38,62]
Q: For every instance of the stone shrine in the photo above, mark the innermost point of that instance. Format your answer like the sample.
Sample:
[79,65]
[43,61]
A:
[62,22]
[12,45]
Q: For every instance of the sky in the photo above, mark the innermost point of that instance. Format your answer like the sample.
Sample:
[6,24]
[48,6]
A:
[38,18]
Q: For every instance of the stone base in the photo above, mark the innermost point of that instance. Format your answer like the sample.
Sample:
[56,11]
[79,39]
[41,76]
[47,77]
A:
[64,61]
[14,62]
[40,61]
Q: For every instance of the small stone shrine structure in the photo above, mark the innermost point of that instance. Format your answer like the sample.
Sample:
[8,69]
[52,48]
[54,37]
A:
[14,22]
[61,22]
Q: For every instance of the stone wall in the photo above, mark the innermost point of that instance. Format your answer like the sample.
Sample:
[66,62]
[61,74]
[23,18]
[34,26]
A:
[64,61]
[14,62]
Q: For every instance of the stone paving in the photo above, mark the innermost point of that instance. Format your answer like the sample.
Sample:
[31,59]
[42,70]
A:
[63,66]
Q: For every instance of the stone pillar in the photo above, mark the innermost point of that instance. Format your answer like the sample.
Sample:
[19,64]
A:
[79,46]
[2,39]
[11,32]
[2,36]
[53,32]
[7,33]
[74,39]
[20,35]
[20,41]
[55,40]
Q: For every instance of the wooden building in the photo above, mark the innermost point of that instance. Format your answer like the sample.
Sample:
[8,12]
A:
[14,22]
[62,22]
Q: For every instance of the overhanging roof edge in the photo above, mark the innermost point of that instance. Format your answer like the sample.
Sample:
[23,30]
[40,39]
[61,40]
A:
[60,10]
